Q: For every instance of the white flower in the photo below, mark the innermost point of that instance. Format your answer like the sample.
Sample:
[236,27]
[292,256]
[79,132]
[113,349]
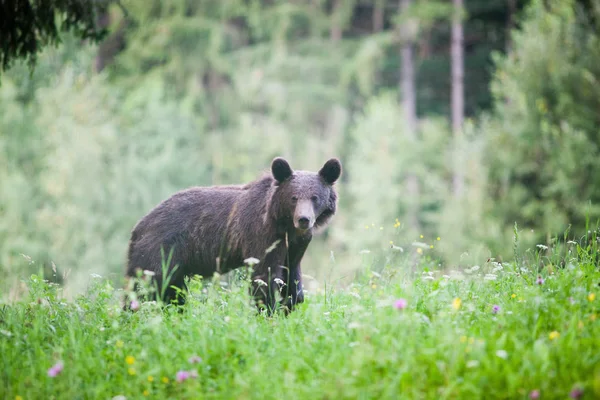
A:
[353,325]
[472,364]
[541,246]
[365,251]
[279,282]
[502,354]
[95,276]
[260,282]
[490,277]
[251,261]
[149,273]
[428,278]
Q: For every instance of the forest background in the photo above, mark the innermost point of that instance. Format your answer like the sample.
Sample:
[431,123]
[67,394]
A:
[454,122]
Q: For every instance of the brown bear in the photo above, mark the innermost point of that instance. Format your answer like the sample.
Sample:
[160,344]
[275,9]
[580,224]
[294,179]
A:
[216,229]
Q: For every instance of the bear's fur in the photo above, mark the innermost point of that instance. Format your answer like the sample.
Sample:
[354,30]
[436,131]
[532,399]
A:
[214,229]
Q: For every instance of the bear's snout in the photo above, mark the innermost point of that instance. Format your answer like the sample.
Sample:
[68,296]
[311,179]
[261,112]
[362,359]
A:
[304,216]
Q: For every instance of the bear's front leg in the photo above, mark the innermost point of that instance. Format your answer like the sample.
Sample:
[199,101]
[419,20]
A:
[268,278]
[292,291]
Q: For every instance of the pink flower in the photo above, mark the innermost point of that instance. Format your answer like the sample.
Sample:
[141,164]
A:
[182,376]
[194,360]
[534,395]
[135,305]
[576,393]
[540,280]
[495,309]
[400,304]
[55,369]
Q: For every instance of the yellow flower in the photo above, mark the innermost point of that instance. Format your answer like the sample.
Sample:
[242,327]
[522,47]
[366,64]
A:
[119,343]
[431,247]
[17,397]
[580,325]
[463,339]
[131,371]
[129,360]
[421,236]
[374,286]
[438,238]
[419,250]
[366,226]
[381,228]
[592,296]
[150,378]
[456,303]
[146,392]
[554,335]
[391,242]
[593,317]
[512,296]
[165,379]
[468,349]
[471,340]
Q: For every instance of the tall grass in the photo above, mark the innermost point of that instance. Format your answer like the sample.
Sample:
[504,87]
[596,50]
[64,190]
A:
[489,331]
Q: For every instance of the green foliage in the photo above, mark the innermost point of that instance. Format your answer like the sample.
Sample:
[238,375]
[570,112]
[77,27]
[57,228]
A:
[28,26]
[544,142]
[448,340]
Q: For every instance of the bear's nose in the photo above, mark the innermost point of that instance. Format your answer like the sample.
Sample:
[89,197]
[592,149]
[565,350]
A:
[303,221]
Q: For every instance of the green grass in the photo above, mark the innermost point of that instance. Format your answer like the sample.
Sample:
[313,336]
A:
[349,343]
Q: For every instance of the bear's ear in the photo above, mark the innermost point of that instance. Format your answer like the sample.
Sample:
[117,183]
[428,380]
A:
[331,171]
[281,169]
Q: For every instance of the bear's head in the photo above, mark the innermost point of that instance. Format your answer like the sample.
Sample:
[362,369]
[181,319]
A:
[305,199]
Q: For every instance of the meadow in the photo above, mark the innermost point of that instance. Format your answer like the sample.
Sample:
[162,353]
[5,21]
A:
[521,330]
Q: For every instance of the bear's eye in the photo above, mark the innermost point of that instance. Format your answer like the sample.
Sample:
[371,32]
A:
[294,198]
[315,198]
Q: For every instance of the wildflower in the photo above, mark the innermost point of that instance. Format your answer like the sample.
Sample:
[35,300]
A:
[502,354]
[540,280]
[129,360]
[554,335]
[421,236]
[420,250]
[580,324]
[146,392]
[194,360]
[182,376]
[55,369]
[495,309]
[592,317]
[147,272]
[576,393]
[366,226]
[463,339]
[591,296]
[17,397]
[165,380]
[119,343]
[542,247]
[400,304]
[150,378]
[534,394]
[374,286]
[131,371]
[438,239]
[456,303]
[119,397]
[135,305]
[251,261]
[472,364]
[431,246]
[381,228]
[512,296]
[391,242]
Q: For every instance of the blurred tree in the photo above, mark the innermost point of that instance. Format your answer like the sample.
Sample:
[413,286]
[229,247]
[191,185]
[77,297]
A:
[458,94]
[27,26]
[545,145]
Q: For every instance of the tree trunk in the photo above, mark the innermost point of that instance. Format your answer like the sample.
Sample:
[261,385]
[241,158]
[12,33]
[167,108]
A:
[458,96]
[378,15]
[335,33]
[409,106]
